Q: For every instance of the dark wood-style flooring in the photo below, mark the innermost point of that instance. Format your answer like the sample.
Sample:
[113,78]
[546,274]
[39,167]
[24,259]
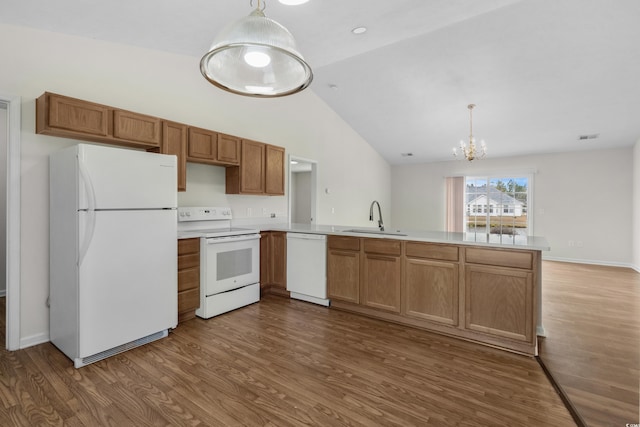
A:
[591,315]
[282,363]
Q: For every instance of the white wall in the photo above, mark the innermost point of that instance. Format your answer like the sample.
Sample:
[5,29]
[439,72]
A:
[636,206]
[584,197]
[170,86]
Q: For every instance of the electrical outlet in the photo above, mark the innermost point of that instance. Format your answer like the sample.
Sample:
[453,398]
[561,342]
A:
[571,243]
[333,210]
[264,211]
[579,243]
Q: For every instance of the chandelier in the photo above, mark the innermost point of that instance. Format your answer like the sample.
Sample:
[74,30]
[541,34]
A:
[256,56]
[472,151]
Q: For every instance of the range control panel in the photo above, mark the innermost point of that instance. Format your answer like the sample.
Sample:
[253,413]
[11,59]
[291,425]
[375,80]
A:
[203,214]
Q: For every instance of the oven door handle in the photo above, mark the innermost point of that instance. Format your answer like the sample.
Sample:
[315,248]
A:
[227,239]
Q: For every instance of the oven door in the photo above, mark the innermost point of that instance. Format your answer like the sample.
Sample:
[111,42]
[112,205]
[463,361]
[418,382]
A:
[229,263]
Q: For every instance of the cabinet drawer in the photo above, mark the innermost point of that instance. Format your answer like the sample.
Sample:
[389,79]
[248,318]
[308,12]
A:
[188,279]
[188,261]
[188,300]
[382,246]
[188,246]
[500,258]
[346,243]
[432,251]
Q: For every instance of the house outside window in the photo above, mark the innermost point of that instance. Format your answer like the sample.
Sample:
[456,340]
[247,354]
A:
[496,208]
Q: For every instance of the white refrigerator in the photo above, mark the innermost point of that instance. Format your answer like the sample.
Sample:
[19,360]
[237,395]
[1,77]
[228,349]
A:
[113,250]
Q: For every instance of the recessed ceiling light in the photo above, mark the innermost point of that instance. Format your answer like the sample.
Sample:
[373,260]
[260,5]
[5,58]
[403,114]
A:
[359,30]
[293,2]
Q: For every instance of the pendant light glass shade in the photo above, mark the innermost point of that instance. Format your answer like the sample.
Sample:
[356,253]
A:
[256,56]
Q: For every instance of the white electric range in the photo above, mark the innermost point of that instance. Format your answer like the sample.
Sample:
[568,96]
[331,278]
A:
[229,259]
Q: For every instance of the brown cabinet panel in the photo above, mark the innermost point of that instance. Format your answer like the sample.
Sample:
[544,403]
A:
[503,258]
[383,246]
[228,149]
[274,170]
[431,290]
[136,127]
[343,242]
[252,167]
[499,301]
[188,278]
[381,282]
[278,256]
[174,141]
[343,275]
[202,145]
[71,114]
[432,251]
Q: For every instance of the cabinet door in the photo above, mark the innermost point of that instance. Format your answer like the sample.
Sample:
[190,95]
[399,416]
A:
[431,290]
[129,126]
[381,282]
[75,115]
[202,145]
[174,141]
[228,149]
[278,256]
[343,275]
[499,301]
[252,168]
[274,170]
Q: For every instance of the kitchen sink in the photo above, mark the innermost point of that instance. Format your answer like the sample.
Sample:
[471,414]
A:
[365,231]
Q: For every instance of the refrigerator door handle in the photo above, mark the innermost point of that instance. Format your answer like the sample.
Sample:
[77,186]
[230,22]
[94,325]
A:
[90,224]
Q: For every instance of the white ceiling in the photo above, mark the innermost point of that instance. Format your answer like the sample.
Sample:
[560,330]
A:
[542,72]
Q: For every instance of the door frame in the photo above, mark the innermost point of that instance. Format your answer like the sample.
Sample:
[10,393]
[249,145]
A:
[13,105]
[314,187]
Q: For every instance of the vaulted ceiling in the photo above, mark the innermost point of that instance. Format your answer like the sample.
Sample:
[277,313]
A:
[541,72]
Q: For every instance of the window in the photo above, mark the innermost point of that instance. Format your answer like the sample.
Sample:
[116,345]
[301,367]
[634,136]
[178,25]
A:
[496,208]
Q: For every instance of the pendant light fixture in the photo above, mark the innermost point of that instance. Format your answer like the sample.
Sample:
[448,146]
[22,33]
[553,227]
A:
[256,56]
[471,152]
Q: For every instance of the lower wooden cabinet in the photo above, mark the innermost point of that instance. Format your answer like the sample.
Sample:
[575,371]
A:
[481,294]
[431,290]
[188,278]
[273,261]
[499,301]
[343,269]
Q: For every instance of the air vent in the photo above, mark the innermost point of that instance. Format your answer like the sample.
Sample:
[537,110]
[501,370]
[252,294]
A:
[406,154]
[585,137]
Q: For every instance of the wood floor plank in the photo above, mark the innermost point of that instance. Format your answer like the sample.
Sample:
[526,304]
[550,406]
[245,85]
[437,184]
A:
[592,347]
[283,362]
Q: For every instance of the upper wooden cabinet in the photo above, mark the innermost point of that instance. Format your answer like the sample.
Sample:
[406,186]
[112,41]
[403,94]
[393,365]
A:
[67,117]
[261,170]
[252,167]
[141,129]
[174,141]
[274,170]
[206,146]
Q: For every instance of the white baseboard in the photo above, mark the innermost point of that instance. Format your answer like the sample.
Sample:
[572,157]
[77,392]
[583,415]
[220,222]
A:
[34,340]
[592,262]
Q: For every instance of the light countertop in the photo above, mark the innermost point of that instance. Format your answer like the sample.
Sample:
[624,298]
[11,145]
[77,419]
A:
[521,242]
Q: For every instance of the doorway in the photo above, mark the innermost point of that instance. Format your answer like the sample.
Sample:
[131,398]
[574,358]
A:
[10,201]
[302,190]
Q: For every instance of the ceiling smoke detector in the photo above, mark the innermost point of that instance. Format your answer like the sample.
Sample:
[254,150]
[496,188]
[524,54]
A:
[585,137]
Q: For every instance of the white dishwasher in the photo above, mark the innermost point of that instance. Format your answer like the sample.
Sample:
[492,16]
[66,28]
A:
[307,267]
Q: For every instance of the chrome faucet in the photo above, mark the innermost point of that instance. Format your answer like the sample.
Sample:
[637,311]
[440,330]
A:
[380,223]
